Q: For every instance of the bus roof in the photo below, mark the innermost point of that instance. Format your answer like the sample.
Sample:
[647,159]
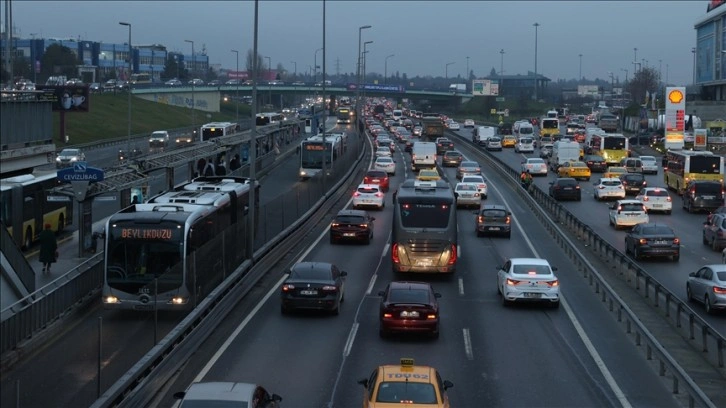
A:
[213,198]
[691,152]
[432,191]
[217,124]
[239,185]
[150,213]
[27,179]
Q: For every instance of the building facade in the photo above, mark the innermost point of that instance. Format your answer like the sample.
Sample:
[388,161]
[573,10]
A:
[710,53]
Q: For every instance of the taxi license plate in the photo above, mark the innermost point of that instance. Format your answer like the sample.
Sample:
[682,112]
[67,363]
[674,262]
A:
[308,292]
[532,295]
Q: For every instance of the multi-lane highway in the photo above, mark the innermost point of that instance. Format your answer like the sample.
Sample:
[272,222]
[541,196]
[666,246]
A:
[495,356]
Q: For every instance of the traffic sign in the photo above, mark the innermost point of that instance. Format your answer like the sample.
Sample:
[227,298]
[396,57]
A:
[58,199]
[80,172]
[105,198]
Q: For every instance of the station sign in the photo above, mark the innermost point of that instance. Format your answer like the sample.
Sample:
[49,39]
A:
[675,117]
[80,171]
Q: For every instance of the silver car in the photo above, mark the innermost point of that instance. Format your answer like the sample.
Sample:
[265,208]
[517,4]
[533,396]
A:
[217,394]
[528,280]
[67,157]
[467,195]
[708,286]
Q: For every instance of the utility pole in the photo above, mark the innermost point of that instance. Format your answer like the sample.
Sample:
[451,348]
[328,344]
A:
[337,67]
[579,78]
[501,63]
[536,30]
[635,60]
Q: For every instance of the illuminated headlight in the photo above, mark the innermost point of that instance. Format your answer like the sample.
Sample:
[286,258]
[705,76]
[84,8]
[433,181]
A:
[74,158]
[151,140]
[58,159]
[111,299]
[178,300]
[302,173]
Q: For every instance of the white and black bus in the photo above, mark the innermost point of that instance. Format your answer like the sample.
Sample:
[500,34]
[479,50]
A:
[269,118]
[217,129]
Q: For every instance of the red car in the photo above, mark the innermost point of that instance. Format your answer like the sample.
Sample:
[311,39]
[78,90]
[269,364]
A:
[409,307]
[377,177]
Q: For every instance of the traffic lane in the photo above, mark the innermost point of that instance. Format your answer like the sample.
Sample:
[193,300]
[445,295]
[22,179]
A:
[603,332]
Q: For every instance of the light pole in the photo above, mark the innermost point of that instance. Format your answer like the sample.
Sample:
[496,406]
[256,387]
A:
[365,60]
[660,70]
[34,58]
[236,99]
[316,64]
[635,61]
[295,79]
[325,108]
[128,84]
[693,50]
[467,76]
[446,69]
[385,69]
[295,64]
[501,62]
[251,224]
[194,104]
[579,78]
[626,75]
[269,74]
[536,31]
[357,89]
[666,81]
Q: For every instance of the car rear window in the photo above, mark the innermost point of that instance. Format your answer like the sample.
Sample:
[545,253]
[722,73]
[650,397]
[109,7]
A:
[708,188]
[376,174]
[384,160]
[631,207]
[367,190]
[657,230]
[494,213]
[408,296]
[567,182]
[350,219]
[611,183]
[452,154]
[634,177]
[471,180]
[310,273]
[721,276]
[469,164]
[656,193]
[531,269]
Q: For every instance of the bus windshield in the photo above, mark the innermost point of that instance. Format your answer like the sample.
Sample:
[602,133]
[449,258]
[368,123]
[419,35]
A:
[550,124]
[614,143]
[705,165]
[425,215]
[312,155]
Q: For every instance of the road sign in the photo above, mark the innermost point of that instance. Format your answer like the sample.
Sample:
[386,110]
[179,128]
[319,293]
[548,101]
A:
[506,112]
[58,199]
[105,198]
[500,99]
[80,172]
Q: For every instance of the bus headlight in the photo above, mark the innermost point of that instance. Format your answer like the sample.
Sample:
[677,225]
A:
[178,300]
[111,299]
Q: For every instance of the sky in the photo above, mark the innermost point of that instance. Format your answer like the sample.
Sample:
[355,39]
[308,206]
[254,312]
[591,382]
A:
[423,36]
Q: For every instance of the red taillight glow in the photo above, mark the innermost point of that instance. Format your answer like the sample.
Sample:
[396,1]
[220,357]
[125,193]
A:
[668,199]
[431,316]
[452,258]
[676,240]
[394,253]
[287,287]
[642,241]
[645,198]
[719,290]
[512,282]
[387,315]
[330,288]
[508,220]
[554,283]
[356,194]
[379,194]
[480,219]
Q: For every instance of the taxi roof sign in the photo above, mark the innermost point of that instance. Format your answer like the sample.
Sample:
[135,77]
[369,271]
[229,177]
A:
[675,96]
[407,362]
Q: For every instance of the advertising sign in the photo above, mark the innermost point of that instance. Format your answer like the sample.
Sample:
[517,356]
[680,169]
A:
[675,114]
[485,87]
[588,90]
[700,139]
[376,87]
[65,98]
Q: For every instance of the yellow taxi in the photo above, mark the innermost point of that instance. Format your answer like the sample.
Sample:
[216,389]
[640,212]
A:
[614,172]
[509,141]
[574,169]
[428,175]
[405,384]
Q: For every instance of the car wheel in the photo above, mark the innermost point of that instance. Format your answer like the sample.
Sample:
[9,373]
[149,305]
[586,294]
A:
[478,233]
[668,212]
[367,240]
[627,248]
[714,244]
[336,311]
[707,304]
[435,334]
[555,305]
[382,333]
[509,235]
[636,254]
[332,240]
[689,294]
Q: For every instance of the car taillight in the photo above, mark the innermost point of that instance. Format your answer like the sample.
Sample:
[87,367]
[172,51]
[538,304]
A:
[431,316]
[379,194]
[577,187]
[512,282]
[601,187]
[480,219]
[329,288]
[645,183]
[387,315]
[642,241]
[508,220]
[553,283]
[676,240]
[645,198]
[668,199]
[452,258]
[335,224]
[356,194]
[394,253]
[719,290]
[288,287]
[625,182]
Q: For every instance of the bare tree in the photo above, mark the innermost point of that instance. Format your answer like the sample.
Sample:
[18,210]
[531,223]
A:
[645,80]
[249,64]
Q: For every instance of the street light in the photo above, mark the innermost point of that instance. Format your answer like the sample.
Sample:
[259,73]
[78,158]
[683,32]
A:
[467,76]
[250,241]
[236,100]
[693,50]
[128,84]
[316,65]
[385,69]
[536,30]
[269,74]
[635,61]
[357,89]
[365,45]
[294,75]
[295,78]
[579,78]
[194,105]
[446,70]
[626,75]
[501,62]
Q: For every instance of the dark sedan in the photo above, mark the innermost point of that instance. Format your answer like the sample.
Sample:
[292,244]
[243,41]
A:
[653,240]
[596,163]
[354,225]
[313,285]
[452,158]
[633,183]
[443,146]
[494,219]
[409,307]
[565,188]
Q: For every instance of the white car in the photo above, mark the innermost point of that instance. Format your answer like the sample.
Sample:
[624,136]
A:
[383,151]
[655,199]
[467,194]
[528,280]
[387,143]
[385,163]
[369,195]
[608,188]
[469,123]
[454,126]
[216,394]
[524,145]
[545,150]
[481,184]
[650,165]
[628,213]
[535,166]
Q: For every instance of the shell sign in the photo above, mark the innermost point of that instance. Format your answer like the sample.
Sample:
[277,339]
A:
[675,96]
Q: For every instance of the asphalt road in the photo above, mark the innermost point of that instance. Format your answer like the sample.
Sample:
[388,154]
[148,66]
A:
[495,356]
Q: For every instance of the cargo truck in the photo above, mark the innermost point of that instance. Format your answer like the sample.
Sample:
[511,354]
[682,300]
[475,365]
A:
[433,127]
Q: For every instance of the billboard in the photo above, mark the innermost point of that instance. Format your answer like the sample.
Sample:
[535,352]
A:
[65,98]
[675,117]
[588,90]
[377,87]
[485,87]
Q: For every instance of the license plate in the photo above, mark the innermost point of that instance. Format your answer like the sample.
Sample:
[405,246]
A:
[424,262]
[708,197]
[568,188]
[308,292]
[367,201]
[349,234]
[409,314]
[532,295]
[657,205]
[494,228]
[660,242]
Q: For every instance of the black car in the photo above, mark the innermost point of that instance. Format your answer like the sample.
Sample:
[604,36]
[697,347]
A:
[353,225]
[452,158]
[565,188]
[597,164]
[493,219]
[443,146]
[703,195]
[633,183]
[653,240]
[409,307]
[313,285]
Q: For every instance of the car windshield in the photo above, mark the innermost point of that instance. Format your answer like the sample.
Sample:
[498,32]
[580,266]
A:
[594,158]
[531,270]
[525,141]
[424,215]
[208,403]
[408,296]
[69,152]
[376,174]
[632,178]
[721,276]
[452,154]
[647,159]
[411,392]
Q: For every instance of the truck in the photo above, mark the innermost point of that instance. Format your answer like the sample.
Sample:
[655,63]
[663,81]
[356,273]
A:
[433,127]
[562,152]
[457,88]
[608,122]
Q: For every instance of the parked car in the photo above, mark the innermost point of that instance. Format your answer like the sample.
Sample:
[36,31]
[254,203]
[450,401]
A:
[353,225]
[653,240]
[707,285]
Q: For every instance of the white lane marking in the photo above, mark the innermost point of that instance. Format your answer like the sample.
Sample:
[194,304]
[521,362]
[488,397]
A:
[461,286]
[371,284]
[385,249]
[620,395]
[351,339]
[467,344]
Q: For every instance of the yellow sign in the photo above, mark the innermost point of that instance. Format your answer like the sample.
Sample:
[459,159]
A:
[493,111]
[675,96]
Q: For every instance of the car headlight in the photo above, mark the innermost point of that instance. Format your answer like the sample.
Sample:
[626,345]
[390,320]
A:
[58,159]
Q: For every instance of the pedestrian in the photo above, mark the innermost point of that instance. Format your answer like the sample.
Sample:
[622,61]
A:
[235,163]
[48,248]
[209,169]
[220,169]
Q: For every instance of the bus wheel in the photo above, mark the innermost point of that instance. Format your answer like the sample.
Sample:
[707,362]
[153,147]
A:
[28,238]
[61,224]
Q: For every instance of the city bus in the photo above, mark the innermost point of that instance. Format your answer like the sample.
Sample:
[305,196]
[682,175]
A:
[217,129]
[343,114]
[425,234]
[26,206]
[312,153]
[683,166]
[268,118]
[549,127]
[172,251]
[612,147]
[141,78]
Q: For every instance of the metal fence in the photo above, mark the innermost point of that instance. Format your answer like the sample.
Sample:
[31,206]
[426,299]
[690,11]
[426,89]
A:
[15,258]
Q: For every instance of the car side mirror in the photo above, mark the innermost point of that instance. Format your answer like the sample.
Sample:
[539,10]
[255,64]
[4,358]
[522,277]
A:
[373,218]
[692,274]
[437,295]
[552,182]
[448,384]
[554,268]
[343,273]
[275,397]
[498,267]
[381,293]
[179,395]
[363,382]
[475,212]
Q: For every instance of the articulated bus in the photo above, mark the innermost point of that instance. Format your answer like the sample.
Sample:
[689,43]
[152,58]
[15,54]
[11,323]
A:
[26,206]
[612,147]
[171,252]
[141,78]
[313,152]
[683,166]
[268,118]
[549,127]
[343,114]
[217,129]
[425,235]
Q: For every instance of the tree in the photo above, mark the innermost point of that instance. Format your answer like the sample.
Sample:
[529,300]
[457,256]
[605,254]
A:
[173,69]
[645,80]
[58,60]
[249,60]
[22,68]
[493,72]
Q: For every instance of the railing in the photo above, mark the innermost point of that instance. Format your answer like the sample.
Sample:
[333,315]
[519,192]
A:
[16,259]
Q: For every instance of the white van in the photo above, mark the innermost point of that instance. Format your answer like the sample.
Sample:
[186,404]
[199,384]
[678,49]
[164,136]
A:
[482,133]
[397,114]
[423,155]
[525,129]
[563,152]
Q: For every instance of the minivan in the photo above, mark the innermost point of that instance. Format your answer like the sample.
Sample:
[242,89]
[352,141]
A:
[632,164]
[482,133]
[703,195]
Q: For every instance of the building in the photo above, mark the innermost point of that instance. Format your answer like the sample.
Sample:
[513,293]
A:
[709,55]
[521,86]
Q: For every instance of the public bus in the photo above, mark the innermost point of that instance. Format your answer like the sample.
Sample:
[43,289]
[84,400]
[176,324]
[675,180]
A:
[172,251]
[312,153]
[217,129]
[141,78]
[268,118]
[549,127]
[425,232]
[611,147]
[343,114]
[683,166]
[26,205]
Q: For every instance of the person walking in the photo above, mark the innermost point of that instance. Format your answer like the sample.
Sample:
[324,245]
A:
[48,248]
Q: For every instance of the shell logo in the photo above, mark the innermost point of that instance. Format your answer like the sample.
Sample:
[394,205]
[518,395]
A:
[675,96]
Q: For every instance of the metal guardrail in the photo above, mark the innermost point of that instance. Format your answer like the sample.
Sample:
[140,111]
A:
[711,343]
[15,258]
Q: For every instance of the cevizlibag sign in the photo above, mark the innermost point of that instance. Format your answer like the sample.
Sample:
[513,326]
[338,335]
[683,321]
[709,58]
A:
[675,117]
[80,172]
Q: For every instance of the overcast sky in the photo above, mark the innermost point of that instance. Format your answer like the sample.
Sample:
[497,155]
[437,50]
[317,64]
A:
[423,35]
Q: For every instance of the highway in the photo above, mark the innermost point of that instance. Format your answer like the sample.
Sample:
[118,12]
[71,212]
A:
[495,356]
[687,226]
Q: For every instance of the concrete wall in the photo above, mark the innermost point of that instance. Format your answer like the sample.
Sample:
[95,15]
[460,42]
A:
[707,110]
